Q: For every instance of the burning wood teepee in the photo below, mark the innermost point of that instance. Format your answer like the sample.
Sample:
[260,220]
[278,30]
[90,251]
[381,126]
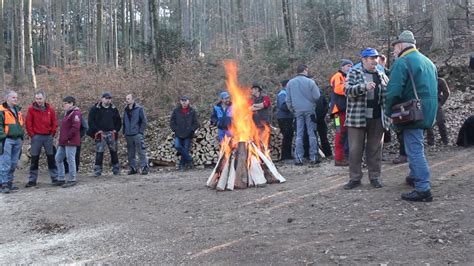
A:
[244,158]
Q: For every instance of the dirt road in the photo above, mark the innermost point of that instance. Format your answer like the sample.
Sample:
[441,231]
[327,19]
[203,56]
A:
[172,218]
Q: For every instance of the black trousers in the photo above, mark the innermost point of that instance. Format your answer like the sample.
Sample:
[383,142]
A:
[287,130]
[401,149]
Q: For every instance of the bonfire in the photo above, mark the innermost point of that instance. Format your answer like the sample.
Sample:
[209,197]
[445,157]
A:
[244,157]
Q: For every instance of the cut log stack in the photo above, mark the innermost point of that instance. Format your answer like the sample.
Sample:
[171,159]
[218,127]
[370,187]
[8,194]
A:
[205,147]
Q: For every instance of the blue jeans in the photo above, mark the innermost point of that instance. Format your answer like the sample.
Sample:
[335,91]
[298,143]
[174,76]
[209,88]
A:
[9,159]
[182,145]
[414,148]
[302,119]
[68,152]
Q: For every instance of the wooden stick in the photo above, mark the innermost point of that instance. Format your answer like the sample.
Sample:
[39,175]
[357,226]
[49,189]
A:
[256,173]
[224,176]
[241,172]
[270,165]
[231,179]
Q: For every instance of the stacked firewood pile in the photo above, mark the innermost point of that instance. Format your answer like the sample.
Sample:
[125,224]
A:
[205,147]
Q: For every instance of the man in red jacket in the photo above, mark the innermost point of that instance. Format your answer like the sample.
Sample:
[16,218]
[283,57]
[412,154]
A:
[41,125]
[69,140]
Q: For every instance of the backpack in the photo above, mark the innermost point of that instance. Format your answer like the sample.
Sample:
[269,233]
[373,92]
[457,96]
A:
[84,127]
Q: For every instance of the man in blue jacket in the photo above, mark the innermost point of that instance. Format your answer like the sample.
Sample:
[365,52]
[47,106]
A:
[301,98]
[400,89]
[134,125]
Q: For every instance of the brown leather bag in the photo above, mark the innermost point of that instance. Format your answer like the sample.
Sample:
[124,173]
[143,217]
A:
[409,111]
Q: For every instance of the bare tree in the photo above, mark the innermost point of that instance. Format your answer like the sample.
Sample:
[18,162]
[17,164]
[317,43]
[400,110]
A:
[21,44]
[439,18]
[30,64]
[2,50]
[288,29]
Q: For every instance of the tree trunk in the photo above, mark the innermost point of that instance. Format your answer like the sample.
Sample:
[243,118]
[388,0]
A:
[125,40]
[388,16]
[370,14]
[242,30]
[99,39]
[21,44]
[131,9]
[14,43]
[115,40]
[441,35]
[2,50]
[156,36]
[29,48]
[288,29]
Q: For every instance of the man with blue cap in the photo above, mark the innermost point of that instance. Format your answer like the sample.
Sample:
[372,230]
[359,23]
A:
[222,116]
[366,121]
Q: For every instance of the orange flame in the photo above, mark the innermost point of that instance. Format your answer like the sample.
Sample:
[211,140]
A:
[243,128]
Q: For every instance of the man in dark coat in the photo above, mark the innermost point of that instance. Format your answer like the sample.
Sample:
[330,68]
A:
[184,122]
[104,125]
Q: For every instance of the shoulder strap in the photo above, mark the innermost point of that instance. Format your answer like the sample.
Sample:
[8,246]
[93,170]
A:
[411,77]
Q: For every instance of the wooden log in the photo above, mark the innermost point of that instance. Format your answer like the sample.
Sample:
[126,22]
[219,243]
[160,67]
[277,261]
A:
[231,179]
[270,165]
[224,176]
[256,173]
[213,178]
[241,172]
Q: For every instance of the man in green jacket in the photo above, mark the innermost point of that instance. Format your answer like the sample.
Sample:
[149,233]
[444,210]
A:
[400,89]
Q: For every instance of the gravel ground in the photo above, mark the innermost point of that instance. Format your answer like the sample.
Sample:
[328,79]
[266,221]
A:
[170,217]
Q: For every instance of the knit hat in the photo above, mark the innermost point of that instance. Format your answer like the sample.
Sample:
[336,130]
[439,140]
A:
[184,98]
[346,62]
[106,95]
[369,52]
[405,36]
[224,95]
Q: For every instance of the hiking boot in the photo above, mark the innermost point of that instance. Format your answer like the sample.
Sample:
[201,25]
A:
[314,163]
[132,171]
[410,180]
[342,162]
[400,159]
[12,187]
[5,190]
[376,183]
[424,196]
[69,184]
[189,165]
[145,171]
[181,168]
[352,184]
[59,183]
[30,184]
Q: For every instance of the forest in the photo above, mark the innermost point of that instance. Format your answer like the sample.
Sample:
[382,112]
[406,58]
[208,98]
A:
[160,49]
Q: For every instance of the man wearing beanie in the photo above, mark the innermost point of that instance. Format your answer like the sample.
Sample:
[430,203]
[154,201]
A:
[104,125]
[401,88]
[366,122]
[338,112]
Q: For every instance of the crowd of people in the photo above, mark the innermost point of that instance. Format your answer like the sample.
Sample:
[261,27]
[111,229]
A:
[360,104]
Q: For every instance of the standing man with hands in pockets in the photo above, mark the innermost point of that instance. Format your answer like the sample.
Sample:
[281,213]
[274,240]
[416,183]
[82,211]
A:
[134,125]
[104,125]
